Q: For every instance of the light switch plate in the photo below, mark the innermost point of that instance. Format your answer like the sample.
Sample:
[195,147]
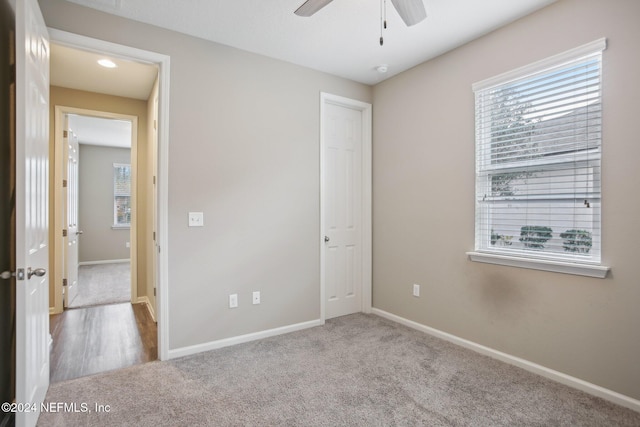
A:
[233,301]
[196,219]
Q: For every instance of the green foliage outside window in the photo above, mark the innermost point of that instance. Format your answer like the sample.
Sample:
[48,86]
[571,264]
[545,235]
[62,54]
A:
[579,241]
[535,236]
[500,238]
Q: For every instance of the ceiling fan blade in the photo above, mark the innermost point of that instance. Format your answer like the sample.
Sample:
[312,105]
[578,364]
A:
[411,11]
[310,7]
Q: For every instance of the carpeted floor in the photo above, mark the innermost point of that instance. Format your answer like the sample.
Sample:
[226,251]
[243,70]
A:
[358,370]
[103,284]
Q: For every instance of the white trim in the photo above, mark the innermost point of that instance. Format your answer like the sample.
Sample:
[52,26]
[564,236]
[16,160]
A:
[162,297]
[587,387]
[590,270]
[105,261]
[552,61]
[163,62]
[366,239]
[145,300]
[102,46]
[121,227]
[240,339]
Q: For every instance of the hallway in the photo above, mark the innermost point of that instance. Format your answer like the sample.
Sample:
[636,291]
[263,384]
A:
[100,284]
[91,340]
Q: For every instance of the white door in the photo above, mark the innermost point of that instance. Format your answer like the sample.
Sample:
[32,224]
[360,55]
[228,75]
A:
[32,202]
[342,204]
[71,153]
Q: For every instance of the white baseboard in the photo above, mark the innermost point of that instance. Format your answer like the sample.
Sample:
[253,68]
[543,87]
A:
[213,345]
[104,261]
[587,387]
[145,300]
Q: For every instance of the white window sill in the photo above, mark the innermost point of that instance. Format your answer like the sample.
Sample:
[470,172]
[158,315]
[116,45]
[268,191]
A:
[121,227]
[598,271]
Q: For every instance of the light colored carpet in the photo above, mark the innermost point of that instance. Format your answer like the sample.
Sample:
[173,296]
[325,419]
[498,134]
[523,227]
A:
[100,284]
[358,370]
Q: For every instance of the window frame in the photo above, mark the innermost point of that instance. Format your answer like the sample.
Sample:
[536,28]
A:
[524,258]
[117,194]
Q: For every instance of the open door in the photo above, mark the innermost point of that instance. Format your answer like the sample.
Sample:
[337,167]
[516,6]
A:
[71,233]
[32,214]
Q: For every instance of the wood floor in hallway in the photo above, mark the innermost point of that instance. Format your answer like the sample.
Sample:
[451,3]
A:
[96,339]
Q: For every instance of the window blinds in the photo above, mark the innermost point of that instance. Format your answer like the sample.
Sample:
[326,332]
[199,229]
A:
[538,147]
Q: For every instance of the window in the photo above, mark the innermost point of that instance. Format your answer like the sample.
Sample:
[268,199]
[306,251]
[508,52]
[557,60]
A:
[538,148]
[121,195]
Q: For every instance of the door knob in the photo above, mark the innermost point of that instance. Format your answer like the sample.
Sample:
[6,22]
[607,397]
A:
[37,272]
[326,239]
[79,232]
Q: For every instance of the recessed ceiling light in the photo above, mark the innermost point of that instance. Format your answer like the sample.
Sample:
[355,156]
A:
[107,63]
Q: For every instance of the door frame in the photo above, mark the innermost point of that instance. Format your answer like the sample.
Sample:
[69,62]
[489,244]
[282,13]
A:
[59,112]
[365,110]
[162,214]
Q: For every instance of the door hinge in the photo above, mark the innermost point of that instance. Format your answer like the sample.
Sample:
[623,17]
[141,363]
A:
[154,236]
[64,183]
[154,180]
[154,292]
[64,282]
[65,134]
[64,233]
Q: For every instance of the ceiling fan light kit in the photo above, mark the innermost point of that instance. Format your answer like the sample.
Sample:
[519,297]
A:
[411,12]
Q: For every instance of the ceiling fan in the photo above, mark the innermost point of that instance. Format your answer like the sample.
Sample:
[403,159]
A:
[411,11]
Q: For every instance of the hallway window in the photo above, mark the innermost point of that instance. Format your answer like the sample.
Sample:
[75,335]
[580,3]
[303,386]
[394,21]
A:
[121,195]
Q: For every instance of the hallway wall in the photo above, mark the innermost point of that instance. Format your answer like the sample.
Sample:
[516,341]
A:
[100,241]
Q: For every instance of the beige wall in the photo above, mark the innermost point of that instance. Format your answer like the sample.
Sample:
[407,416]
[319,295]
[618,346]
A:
[243,149]
[99,241]
[93,101]
[424,204]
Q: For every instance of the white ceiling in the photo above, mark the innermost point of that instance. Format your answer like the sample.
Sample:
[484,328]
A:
[77,69]
[101,131]
[341,39]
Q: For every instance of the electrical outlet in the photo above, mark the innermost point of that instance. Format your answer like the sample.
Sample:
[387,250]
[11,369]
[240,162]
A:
[256,297]
[416,290]
[233,301]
